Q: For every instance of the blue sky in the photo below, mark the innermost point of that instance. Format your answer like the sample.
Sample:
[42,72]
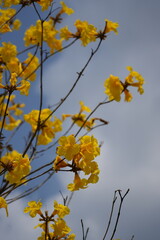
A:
[131,142]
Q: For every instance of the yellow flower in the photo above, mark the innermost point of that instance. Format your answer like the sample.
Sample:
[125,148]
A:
[9,3]
[86,32]
[3,204]
[14,65]
[135,79]
[60,210]
[60,228]
[33,35]
[66,9]
[33,209]
[59,163]
[89,148]
[68,147]
[93,178]
[111,26]
[16,24]
[5,16]
[24,88]
[29,67]
[8,51]
[17,167]
[71,237]
[44,4]
[84,108]
[113,87]
[77,184]
[48,129]
[13,79]
[128,95]
[65,33]
[13,123]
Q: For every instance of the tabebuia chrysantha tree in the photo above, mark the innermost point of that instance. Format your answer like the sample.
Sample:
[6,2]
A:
[74,153]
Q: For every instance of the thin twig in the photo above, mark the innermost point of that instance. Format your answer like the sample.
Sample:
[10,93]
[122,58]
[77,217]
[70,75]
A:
[111,215]
[119,211]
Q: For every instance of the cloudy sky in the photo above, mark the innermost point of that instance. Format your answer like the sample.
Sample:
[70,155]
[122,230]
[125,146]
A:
[130,155]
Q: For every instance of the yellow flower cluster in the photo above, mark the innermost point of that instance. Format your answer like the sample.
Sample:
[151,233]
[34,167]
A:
[48,128]
[25,70]
[9,3]
[86,32]
[56,225]
[13,110]
[82,155]
[80,118]
[16,167]
[33,35]
[5,24]
[3,204]
[114,87]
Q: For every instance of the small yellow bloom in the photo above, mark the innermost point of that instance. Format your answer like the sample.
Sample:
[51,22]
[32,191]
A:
[113,88]
[68,147]
[3,204]
[8,51]
[84,108]
[135,79]
[44,4]
[29,67]
[111,26]
[24,88]
[16,24]
[17,167]
[34,208]
[65,33]
[48,129]
[77,184]
[60,228]
[5,16]
[86,32]
[59,163]
[60,210]
[66,9]
[128,95]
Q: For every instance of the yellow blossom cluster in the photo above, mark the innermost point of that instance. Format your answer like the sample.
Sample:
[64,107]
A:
[82,155]
[46,31]
[86,32]
[9,3]
[16,167]
[25,70]
[80,118]
[5,24]
[47,127]
[54,226]
[13,110]
[114,87]
[34,35]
